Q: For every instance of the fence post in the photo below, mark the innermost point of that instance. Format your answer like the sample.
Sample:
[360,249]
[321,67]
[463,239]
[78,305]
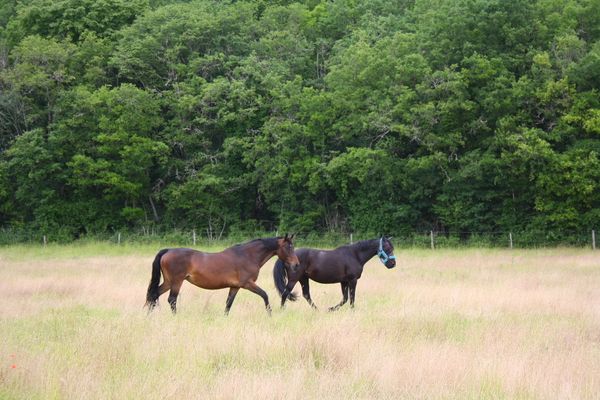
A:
[45,241]
[432,243]
[593,239]
[510,238]
[194,236]
[119,238]
[351,241]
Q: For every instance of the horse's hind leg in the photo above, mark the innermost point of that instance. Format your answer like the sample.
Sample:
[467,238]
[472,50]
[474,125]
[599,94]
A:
[232,292]
[344,300]
[161,290]
[254,288]
[175,287]
[306,291]
[352,286]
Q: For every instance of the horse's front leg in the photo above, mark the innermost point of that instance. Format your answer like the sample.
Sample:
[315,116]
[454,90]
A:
[254,288]
[286,292]
[344,300]
[306,291]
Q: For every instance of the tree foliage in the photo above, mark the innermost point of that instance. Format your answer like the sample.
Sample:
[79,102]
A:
[372,116]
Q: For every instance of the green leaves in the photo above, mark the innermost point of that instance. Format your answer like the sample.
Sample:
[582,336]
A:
[155,49]
[70,19]
[40,70]
[371,116]
[568,190]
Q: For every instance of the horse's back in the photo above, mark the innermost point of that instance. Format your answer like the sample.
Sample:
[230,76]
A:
[180,254]
[178,261]
[318,256]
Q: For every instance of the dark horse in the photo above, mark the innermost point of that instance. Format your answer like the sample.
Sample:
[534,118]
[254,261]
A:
[344,265]
[236,267]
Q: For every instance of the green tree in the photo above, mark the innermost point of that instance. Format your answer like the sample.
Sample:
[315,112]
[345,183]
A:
[39,72]
[71,19]
[162,47]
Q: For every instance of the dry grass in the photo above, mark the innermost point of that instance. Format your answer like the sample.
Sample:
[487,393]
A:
[462,324]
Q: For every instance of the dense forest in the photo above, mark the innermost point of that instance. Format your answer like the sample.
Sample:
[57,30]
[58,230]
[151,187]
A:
[395,116]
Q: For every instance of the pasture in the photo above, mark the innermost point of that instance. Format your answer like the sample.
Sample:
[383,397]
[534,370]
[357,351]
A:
[444,324]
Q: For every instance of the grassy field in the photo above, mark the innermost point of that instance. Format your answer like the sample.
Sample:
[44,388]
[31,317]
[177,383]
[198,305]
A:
[448,324]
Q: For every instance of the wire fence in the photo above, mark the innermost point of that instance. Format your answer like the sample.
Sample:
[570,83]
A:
[425,240]
[511,240]
[492,239]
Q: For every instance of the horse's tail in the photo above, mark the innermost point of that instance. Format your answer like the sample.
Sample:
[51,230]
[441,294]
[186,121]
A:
[152,294]
[280,278]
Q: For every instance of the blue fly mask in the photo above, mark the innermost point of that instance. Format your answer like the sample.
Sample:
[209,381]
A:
[383,256]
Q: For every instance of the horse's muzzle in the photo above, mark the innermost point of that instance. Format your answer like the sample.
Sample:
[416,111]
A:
[390,265]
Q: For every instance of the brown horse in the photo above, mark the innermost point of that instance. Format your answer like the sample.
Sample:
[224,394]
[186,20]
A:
[236,267]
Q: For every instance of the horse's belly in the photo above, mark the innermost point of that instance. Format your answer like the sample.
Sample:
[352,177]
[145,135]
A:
[324,280]
[209,281]
[324,277]
[333,275]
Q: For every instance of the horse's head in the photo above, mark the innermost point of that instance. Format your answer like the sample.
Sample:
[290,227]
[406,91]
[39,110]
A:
[286,252]
[386,252]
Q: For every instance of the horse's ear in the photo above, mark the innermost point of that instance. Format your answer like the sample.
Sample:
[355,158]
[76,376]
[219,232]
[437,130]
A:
[285,237]
[292,236]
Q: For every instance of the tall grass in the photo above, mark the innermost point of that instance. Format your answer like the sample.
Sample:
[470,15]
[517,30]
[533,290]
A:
[448,324]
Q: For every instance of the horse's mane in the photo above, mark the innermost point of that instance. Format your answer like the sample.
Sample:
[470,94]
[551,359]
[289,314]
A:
[270,244]
[361,245]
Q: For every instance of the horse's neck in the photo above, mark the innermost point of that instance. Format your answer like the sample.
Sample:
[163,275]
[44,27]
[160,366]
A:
[367,251]
[265,256]
[257,252]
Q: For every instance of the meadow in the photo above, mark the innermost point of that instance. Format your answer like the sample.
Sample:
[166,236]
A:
[444,324]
